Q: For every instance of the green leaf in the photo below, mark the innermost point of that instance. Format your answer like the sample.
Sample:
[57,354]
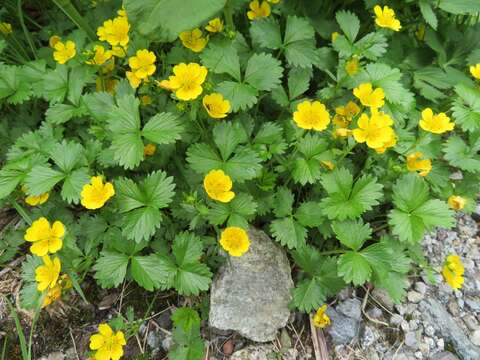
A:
[349,24]
[288,232]
[163,128]
[185,318]
[244,165]
[299,42]
[79,76]
[345,201]
[227,136]
[308,295]
[141,224]
[187,248]
[150,272]
[266,33]
[309,214]
[221,57]
[372,46]
[13,173]
[192,278]
[352,233]
[99,105]
[236,212]
[61,113]
[158,189]
[458,7]
[55,84]
[466,109]
[298,29]
[241,96]
[110,268]
[428,13]
[307,166]
[68,155]
[353,267]
[461,155]
[283,202]
[73,184]
[163,20]
[12,88]
[298,81]
[263,72]
[42,179]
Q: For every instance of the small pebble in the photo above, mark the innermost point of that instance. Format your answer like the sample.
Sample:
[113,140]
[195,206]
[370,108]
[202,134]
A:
[421,287]
[475,337]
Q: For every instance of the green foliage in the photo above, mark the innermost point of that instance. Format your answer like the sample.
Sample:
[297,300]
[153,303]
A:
[187,343]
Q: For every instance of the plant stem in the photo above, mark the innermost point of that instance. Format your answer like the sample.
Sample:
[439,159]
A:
[227,11]
[67,7]
[21,211]
[25,30]
[332,252]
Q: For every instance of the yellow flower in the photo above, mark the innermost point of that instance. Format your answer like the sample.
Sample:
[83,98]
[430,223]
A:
[122,12]
[342,132]
[258,11]
[64,52]
[149,149]
[386,18]
[422,166]
[352,66]
[187,80]
[217,107]
[47,274]
[375,131]
[143,64]
[218,186]
[115,31]
[215,25]
[335,35]
[145,100]
[65,282]
[53,295]
[388,144]
[344,114]
[133,80]
[453,271]
[457,202]
[437,124]
[193,40]
[368,96]
[54,39]
[108,345]
[475,71]
[119,51]
[45,239]
[33,200]
[235,241]
[6,28]
[107,85]
[321,319]
[273,1]
[96,194]
[101,56]
[311,115]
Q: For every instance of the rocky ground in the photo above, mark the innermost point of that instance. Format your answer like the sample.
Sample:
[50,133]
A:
[434,322]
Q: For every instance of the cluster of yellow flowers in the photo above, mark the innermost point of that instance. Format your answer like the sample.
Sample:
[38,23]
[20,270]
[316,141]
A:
[115,32]
[218,186]
[107,343]
[142,66]
[260,10]
[194,39]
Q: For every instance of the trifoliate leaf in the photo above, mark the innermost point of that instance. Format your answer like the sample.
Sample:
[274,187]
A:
[192,278]
[353,267]
[141,224]
[111,268]
[244,165]
[349,24]
[372,46]
[227,136]
[241,96]
[301,53]
[263,72]
[12,88]
[55,84]
[307,166]
[99,105]
[266,33]
[152,272]
[461,155]
[236,212]
[298,29]
[288,232]
[163,128]
[187,248]
[352,233]
[61,113]
[221,57]
[73,184]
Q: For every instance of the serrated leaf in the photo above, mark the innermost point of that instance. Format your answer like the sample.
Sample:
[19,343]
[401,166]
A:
[309,214]
[298,81]
[236,212]
[283,202]
[141,224]
[241,96]
[461,155]
[266,33]
[288,232]
[263,72]
[353,267]
[244,165]
[55,84]
[227,136]
[308,295]
[163,128]
[187,248]
[192,278]
[221,57]
[152,272]
[297,29]
[73,184]
[352,233]
[301,53]
[42,179]
[428,13]
[349,24]
[111,268]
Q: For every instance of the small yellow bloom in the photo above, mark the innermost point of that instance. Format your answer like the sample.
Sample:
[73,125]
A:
[96,194]
[65,282]
[149,149]
[108,85]
[328,164]
[235,241]
[47,274]
[273,1]
[101,56]
[386,18]
[54,39]
[334,36]
[142,64]
[352,66]
[33,200]
[187,81]
[53,295]
[368,96]
[342,132]
[437,124]
[133,80]
[218,186]
[122,12]
[453,271]
[215,25]
[344,114]
[258,11]
[475,71]
[64,52]
[115,31]
[422,166]
[321,319]
[388,144]
[108,345]
[6,28]
[193,40]
[119,51]
[376,131]
[311,115]
[217,107]
[457,202]
[145,100]
[45,239]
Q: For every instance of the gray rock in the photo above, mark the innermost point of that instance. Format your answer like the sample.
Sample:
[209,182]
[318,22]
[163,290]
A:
[436,314]
[375,313]
[153,340]
[475,337]
[471,322]
[473,303]
[444,355]
[411,340]
[396,319]
[421,287]
[343,329]
[415,296]
[351,308]
[167,343]
[253,352]
[370,335]
[251,293]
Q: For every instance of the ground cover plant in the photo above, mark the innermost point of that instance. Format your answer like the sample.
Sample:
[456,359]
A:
[140,139]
